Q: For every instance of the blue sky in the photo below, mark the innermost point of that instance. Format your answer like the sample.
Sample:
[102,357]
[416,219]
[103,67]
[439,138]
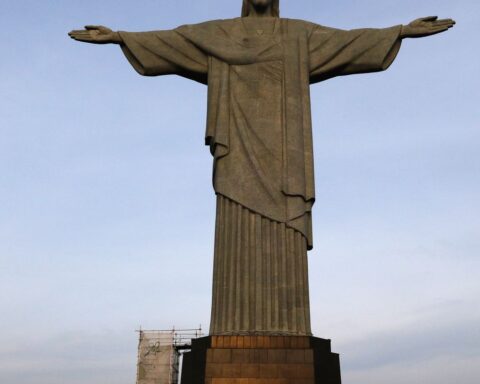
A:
[107,211]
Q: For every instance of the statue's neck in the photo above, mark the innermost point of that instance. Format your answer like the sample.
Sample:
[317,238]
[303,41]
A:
[260,12]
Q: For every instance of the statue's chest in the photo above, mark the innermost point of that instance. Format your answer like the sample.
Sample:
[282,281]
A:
[267,74]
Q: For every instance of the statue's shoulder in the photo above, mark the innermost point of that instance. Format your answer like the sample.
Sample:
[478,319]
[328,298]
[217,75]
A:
[235,25]
[211,24]
[302,25]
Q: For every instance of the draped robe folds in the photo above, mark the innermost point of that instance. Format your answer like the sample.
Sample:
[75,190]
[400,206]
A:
[259,121]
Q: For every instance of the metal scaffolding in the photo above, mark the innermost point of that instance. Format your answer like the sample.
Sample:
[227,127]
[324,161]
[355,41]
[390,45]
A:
[160,354]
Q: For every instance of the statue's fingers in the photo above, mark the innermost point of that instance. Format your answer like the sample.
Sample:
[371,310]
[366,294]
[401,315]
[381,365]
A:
[445,22]
[439,30]
[84,39]
[76,31]
[429,18]
[442,26]
[81,35]
[445,26]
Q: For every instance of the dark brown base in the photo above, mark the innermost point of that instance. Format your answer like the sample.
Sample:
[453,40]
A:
[261,360]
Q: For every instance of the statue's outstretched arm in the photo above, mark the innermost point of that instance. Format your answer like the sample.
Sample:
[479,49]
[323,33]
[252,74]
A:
[96,34]
[153,53]
[334,52]
[426,26]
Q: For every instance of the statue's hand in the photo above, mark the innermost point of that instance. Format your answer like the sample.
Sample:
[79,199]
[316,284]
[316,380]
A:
[96,34]
[426,26]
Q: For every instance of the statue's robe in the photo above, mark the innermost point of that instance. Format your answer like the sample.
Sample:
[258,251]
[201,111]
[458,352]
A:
[260,134]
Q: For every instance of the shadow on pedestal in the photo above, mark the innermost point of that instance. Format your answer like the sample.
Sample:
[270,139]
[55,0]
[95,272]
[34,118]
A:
[261,360]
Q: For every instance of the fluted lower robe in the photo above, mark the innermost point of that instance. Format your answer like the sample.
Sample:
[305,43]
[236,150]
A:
[260,134]
[260,283]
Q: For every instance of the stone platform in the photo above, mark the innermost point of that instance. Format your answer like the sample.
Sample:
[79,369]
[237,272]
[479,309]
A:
[261,360]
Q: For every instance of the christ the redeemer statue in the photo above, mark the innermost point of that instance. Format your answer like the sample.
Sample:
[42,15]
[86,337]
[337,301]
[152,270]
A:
[258,69]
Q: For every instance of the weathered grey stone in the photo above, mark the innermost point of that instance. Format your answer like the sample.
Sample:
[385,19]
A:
[258,69]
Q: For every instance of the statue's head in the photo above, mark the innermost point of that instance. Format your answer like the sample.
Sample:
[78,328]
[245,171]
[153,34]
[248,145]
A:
[274,6]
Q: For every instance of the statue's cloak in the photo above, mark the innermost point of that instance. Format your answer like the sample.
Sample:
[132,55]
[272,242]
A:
[259,120]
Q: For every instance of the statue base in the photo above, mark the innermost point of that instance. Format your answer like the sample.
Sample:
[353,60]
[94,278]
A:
[261,360]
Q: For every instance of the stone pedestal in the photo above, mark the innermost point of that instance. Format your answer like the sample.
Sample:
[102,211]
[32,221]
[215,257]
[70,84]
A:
[261,360]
